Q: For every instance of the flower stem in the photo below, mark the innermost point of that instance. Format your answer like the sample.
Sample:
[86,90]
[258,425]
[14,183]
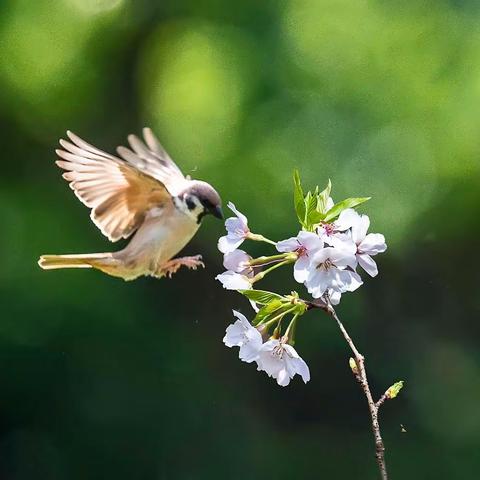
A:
[276,318]
[361,376]
[267,260]
[290,332]
[260,238]
[260,275]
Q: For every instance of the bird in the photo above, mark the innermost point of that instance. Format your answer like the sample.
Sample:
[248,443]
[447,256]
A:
[142,194]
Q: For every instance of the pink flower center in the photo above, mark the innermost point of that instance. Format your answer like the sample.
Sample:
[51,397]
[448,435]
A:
[301,251]
[329,228]
[325,265]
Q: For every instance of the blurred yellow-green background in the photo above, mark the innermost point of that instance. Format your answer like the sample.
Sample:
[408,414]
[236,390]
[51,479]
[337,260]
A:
[103,379]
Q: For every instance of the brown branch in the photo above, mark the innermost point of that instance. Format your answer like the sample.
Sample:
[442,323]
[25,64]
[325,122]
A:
[361,376]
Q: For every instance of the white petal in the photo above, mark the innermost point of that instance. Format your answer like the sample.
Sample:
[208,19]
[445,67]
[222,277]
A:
[348,281]
[234,281]
[228,244]
[301,269]
[343,258]
[334,296]
[320,256]
[288,245]
[240,215]
[311,241]
[368,264]
[346,219]
[317,283]
[372,244]
[236,261]
[249,350]
[359,229]
[302,369]
[243,319]
[235,227]
[235,333]
[283,377]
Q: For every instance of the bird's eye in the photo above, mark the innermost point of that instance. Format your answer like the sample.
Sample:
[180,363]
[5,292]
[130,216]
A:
[190,203]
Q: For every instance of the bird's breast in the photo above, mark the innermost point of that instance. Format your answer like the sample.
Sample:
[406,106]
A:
[161,237]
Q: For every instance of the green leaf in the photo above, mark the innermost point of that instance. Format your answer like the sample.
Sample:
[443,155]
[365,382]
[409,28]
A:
[269,311]
[262,297]
[323,198]
[310,210]
[338,208]
[298,196]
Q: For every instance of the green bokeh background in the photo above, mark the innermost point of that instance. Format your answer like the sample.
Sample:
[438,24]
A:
[105,379]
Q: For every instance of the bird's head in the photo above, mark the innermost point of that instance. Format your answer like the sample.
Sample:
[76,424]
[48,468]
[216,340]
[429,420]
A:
[200,199]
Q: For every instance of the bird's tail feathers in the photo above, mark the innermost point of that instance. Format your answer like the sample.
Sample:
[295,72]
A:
[89,260]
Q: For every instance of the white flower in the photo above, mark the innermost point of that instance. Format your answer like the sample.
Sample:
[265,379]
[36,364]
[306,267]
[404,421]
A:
[305,244]
[281,361]
[329,271]
[242,334]
[237,231]
[367,245]
[234,281]
[237,261]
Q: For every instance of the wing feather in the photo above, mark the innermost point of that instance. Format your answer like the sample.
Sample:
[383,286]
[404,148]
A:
[119,192]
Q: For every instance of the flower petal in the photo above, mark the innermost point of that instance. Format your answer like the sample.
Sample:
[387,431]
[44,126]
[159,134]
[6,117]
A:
[372,244]
[240,215]
[236,261]
[283,377]
[301,269]
[228,244]
[311,241]
[359,229]
[234,281]
[368,264]
[288,245]
[346,219]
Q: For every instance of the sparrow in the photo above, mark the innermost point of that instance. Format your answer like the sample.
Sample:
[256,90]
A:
[143,193]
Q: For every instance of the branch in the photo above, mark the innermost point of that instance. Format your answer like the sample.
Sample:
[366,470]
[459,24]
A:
[361,376]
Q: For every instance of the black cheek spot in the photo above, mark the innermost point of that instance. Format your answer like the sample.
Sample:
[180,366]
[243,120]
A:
[190,203]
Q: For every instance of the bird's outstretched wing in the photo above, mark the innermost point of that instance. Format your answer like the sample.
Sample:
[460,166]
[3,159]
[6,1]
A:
[120,192]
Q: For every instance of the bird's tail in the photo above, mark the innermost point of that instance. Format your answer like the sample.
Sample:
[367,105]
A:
[89,260]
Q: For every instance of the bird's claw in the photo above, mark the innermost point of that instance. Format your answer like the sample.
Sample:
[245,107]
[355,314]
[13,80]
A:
[172,266]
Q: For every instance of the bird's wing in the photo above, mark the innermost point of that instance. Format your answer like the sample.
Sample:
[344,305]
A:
[119,192]
[151,158]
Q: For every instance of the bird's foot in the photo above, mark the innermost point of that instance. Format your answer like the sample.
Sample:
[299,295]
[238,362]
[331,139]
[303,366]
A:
[169,268]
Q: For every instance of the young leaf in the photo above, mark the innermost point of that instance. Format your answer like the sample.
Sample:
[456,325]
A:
[269,310]
[262,297]
[310,210]
[323,198]
[298,196]
[394,390]
[338,208]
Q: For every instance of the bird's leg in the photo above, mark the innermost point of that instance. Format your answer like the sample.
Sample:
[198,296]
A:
[167,269]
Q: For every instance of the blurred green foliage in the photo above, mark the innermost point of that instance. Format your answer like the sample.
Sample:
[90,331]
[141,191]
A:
[105,379]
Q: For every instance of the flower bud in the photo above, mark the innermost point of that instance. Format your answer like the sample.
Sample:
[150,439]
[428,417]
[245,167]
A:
[394,390]
[353,365]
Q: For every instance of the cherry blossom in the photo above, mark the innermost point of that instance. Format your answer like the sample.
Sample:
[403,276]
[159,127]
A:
[237,231]
[305,244]
[332,269]
[242,334]
[282,362]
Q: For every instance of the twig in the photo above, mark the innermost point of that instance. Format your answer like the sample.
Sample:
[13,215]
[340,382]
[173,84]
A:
[361,376]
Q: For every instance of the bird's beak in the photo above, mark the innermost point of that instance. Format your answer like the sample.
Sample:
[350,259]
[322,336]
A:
[217,212]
